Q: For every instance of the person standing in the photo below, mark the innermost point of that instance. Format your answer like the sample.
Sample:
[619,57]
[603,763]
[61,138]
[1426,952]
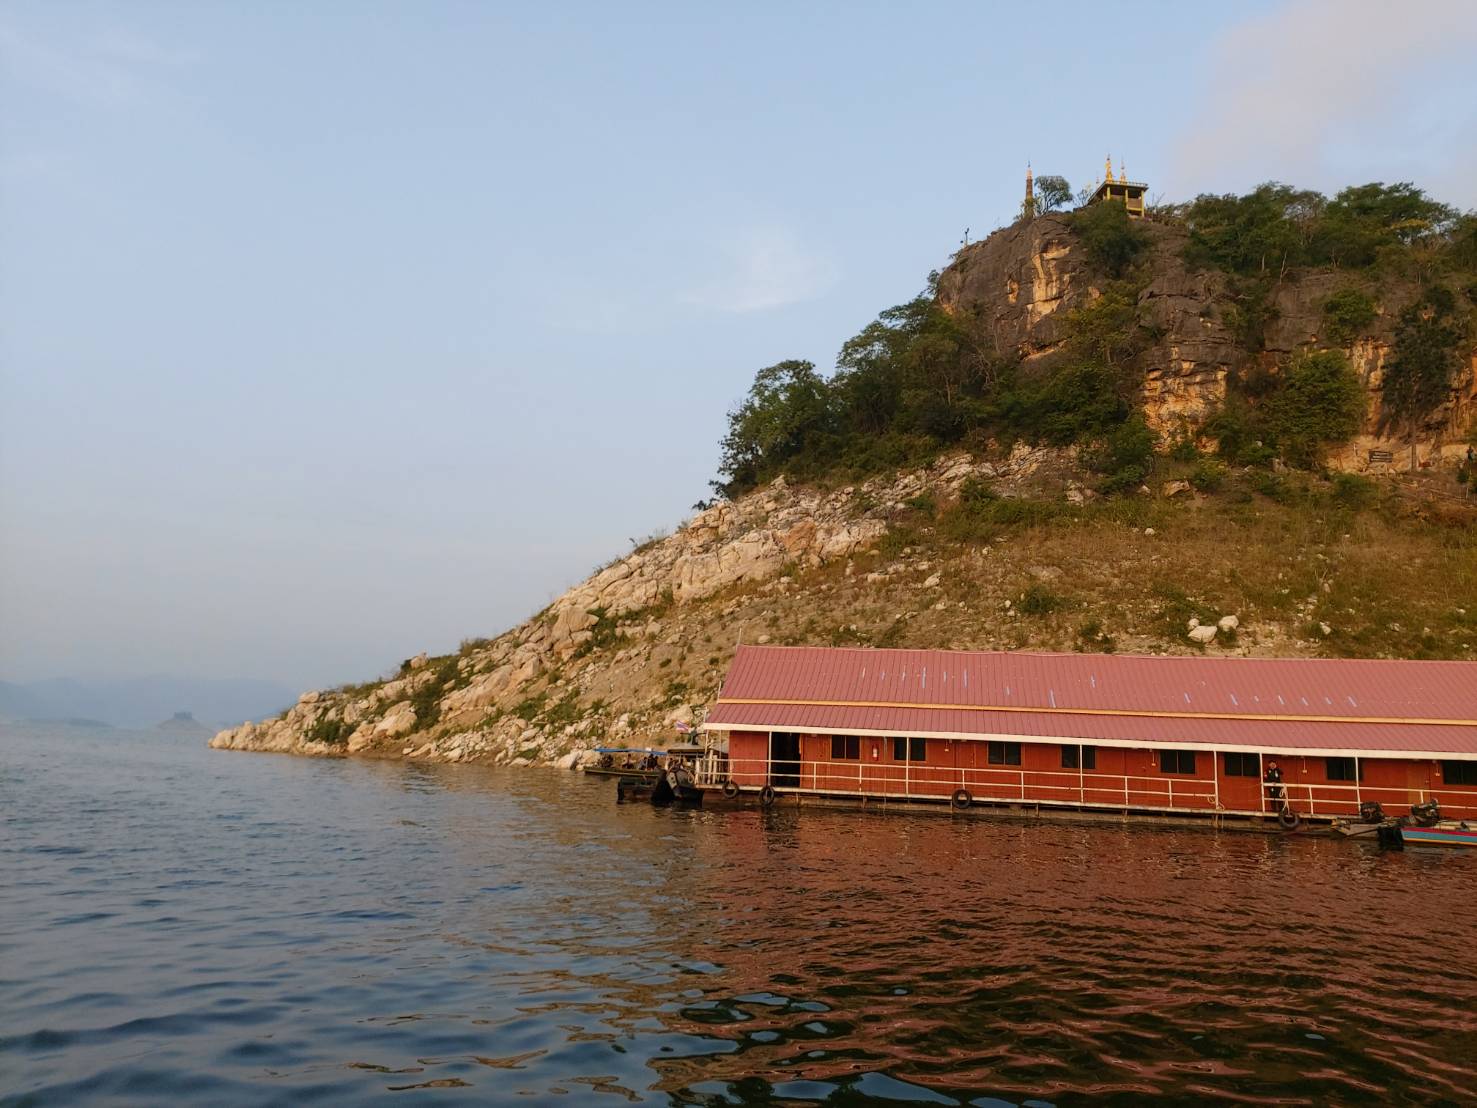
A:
[1272,782]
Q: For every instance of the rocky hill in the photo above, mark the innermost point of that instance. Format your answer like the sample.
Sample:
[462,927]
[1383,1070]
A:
[1021,285]
[911,510]
[1014,553]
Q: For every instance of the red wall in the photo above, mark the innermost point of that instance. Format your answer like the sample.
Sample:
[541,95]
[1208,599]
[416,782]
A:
[949,765]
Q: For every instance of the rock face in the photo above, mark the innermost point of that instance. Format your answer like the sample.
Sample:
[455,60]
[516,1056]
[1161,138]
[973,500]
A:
[1016,287]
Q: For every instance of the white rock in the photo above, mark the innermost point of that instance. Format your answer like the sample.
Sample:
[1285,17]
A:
[398,720]
[1325,628]
[1194,623]
[932,582]
[1203,634]
[1228,623]
[1149,530]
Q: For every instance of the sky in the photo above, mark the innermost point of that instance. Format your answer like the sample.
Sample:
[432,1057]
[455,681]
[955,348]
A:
[334,332]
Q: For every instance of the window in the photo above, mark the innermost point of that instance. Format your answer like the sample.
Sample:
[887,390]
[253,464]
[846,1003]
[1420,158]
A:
[910,750]
[1005,754]
[1079,757]
[846,746]
[1176,761]
[1341,769]
[1243,765]
[1459,773]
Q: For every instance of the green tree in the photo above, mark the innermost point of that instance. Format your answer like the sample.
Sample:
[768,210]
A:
[1318,401]
[1267,230]
[1362,220]
[1346,313]
[1105,330]
[1125,455]
[917,370]
[786,410]
[1113,240]
[1417,377]
[1052,192]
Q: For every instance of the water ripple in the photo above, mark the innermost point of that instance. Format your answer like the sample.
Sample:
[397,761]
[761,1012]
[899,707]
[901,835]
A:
[187,926]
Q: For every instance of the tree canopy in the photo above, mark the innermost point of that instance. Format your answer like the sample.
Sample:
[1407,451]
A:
[1275,227]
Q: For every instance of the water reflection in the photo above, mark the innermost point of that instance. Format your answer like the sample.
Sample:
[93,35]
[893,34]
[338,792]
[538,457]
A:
[227,928]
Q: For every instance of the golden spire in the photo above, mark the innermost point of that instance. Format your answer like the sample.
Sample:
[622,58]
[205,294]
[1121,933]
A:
[1122,173]
[1030,189]
[1108,169]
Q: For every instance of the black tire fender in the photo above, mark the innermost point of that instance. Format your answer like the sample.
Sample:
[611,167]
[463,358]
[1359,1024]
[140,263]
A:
[1288,820]
[730,789]
[766,795]
[961,799]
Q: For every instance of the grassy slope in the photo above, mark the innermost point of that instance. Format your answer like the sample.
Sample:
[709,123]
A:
[1394,578]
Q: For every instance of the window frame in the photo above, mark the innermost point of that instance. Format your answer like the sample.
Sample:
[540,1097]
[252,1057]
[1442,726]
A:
[1005,750]
[1465,772]
[909,749]
[1355,766]
[1179,756]
[1244,759]
[849,747]
[1079,756]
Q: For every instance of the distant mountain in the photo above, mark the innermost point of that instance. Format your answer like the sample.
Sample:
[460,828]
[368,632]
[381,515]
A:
[142,702]
[184,723]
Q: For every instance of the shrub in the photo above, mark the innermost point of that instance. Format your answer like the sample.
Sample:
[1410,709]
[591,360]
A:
[924,503]
[1183,449]
[1346,313]
[1417,376]
[1125,456]
[980,515]
[1320,402]
[426,699]
[897,539]
[1354,492]
[1038,600]
[1113,240]
[1208,476]
[333,732]
[1091,636]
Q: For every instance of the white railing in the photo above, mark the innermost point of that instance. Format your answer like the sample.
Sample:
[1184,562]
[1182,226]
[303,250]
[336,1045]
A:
[1065,787]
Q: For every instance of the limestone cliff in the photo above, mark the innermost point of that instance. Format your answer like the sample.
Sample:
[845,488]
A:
[1017,285]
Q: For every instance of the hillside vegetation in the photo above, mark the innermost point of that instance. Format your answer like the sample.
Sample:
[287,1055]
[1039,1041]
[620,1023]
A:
[923,378]
[1088,435]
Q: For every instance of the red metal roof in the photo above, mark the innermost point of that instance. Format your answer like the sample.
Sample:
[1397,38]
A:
[1251,703]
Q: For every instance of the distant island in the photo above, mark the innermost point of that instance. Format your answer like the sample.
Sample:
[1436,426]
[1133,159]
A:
[1242,424]
[183,723]
[141,702]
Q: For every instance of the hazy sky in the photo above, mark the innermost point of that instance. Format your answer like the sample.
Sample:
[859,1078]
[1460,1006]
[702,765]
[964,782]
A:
[331,332]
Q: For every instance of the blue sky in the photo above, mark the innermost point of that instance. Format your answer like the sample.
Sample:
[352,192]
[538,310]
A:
[333,332]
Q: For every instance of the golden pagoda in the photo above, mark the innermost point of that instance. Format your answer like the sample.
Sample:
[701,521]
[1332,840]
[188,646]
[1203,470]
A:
[1131,193]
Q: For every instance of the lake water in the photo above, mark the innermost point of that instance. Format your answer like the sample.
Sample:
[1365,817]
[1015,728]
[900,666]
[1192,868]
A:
[180,925]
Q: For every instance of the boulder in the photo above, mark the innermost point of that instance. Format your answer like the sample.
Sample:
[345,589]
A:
[399,720]
[1203,634]
[1228,623]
